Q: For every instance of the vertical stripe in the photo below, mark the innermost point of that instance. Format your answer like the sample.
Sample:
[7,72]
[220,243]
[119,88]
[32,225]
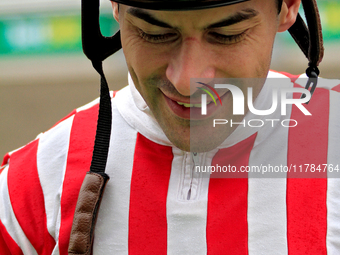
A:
[78,163]
[306,197]
[8,218]
[333,194]
[187,217]
[112,228]
[267,216]
[7,245]
[149,187]
[27,198]
[227,227]
[51,162]
[56,251]
[267,219]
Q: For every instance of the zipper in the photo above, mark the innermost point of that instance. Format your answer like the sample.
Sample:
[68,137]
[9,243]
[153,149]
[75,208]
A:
[195,159]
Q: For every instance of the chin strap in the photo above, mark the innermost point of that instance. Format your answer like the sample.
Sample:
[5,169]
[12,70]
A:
[97,48]
[92,189]
[310,41]
[103,133]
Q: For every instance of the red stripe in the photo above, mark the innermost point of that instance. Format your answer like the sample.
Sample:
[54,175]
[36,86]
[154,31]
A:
[7,245]
[227,226]
[5,160]
[149,188]
[27,198]
[78,163]
[306,197]
[336,88]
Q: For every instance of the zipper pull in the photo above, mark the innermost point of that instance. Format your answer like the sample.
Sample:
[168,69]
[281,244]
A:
[195,158]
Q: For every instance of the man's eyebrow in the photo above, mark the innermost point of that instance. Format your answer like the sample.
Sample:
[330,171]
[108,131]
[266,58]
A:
[146,16]
[236,18]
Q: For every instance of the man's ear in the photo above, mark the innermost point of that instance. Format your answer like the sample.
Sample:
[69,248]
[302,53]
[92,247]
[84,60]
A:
[289,11]
[115,10]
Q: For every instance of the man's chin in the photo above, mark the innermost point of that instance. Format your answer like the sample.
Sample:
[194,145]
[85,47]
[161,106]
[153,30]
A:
[196,136]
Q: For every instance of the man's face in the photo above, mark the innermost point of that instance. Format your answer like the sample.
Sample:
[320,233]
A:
[164,49]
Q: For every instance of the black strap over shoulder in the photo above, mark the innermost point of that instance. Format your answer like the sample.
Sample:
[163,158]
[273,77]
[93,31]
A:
[93,186]
[103,133]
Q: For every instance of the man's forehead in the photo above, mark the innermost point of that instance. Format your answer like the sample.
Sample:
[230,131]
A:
[211,18]
[178,5]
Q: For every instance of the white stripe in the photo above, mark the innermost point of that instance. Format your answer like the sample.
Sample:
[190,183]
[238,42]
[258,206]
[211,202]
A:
[267,220]
[187,219]
[56,247]
[56,250]
[51,163]
[111,233]
[333,185]
[267,230]
[9,220]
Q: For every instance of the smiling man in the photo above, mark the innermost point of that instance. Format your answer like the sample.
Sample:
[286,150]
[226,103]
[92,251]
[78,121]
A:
[233,41]
[186,180]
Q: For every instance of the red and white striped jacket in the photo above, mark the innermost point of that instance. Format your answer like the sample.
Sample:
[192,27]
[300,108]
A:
[146,208]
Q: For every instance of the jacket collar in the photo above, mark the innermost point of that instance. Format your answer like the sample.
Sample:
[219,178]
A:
[137,114]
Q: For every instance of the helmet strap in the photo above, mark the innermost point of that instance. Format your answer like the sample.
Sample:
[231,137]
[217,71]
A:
[93,186]
[310,41]
[103,133]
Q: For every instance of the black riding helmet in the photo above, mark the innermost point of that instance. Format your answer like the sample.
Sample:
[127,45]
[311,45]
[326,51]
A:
[97,48]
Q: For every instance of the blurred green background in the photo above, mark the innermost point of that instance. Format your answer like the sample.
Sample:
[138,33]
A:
[44,75]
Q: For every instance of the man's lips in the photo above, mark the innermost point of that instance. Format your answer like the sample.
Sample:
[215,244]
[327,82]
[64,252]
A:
[191,109]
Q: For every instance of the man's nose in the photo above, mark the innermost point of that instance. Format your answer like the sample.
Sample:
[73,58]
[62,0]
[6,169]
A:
[190,60]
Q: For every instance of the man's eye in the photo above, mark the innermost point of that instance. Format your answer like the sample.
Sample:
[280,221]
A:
[158,38]
[226,39]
